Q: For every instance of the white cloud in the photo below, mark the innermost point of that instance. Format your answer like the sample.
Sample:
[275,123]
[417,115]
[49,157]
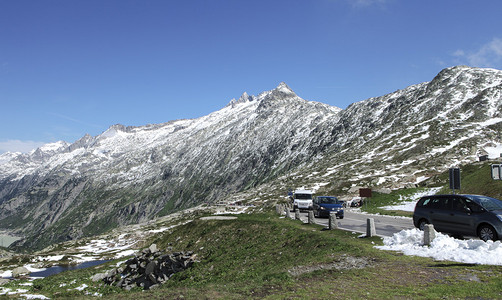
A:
[488,55]
[19,146]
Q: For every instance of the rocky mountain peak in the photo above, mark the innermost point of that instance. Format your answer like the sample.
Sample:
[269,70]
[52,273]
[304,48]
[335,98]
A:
[113,130]
[48,150]
[466,76]
[283,91]
[284,88]
[273,141]
[244,98]
[83,142]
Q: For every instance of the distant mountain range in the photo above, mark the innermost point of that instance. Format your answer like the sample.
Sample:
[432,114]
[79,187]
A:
[272,141]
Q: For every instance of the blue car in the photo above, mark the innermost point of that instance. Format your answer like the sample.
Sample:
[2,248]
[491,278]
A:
[324,205]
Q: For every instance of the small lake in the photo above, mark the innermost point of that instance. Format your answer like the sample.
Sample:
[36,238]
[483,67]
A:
[58,269]
[6,240]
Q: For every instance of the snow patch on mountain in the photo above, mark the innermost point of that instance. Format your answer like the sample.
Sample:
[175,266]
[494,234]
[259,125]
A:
[275,138]
[494,151]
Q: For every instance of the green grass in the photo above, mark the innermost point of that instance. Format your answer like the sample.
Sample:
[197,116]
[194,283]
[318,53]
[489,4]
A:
[378,200]
[475,179]
[251,256]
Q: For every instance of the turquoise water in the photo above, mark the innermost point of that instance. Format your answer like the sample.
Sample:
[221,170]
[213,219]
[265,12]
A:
[6,240]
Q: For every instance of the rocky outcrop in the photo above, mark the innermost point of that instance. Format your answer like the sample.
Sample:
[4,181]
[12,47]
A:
[148,269]
[20,272]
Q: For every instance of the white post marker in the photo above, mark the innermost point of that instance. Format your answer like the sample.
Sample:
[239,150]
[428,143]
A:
[311,217]
[332,221]
[429,234]
[288,215]
[297,214]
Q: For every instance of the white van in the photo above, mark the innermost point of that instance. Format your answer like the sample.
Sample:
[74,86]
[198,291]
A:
[302,199]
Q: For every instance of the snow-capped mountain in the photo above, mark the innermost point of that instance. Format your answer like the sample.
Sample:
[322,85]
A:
[406,136]
[132,174]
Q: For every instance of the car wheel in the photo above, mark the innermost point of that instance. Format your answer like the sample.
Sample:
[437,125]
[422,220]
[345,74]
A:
[341,217]
[486,232]
[422,223]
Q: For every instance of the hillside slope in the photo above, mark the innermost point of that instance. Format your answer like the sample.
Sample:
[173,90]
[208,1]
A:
[133,174]
[257,144]
[405,137]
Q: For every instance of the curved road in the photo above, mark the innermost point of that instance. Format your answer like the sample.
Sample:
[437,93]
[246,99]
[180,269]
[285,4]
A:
[355,221]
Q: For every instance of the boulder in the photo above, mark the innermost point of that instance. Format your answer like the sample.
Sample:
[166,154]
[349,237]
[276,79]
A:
[20,271]
[98,277]
[148,269]
[153,248]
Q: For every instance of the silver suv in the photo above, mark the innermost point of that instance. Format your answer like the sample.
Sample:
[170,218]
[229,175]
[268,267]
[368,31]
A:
[461,215]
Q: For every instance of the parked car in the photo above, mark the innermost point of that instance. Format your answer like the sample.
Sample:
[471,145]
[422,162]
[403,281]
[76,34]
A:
[461,215]
[324,205]
[356,203]
[303,200]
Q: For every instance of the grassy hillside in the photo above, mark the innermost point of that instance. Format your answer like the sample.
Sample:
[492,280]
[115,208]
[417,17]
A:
[263,256]
[475,179]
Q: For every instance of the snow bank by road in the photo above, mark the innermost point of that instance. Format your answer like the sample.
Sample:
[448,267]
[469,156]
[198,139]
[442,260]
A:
[410,201]
[444,247]
[410,242]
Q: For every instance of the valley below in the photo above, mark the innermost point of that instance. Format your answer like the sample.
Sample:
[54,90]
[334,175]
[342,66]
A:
[234,245]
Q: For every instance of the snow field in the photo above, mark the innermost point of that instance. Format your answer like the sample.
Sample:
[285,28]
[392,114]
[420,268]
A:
[444,247]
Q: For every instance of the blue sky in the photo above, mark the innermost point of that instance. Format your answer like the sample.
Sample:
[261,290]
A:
[71,67]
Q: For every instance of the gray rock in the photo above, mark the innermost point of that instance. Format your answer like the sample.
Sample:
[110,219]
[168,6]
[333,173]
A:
[20,271]
[120,283]
[111,273]
[153,269]
[150,267]
[98,277]
[152,278]
[153,248]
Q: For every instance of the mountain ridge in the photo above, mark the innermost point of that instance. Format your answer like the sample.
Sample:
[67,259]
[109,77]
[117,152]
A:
[454,116]
[269,142]
[132,174]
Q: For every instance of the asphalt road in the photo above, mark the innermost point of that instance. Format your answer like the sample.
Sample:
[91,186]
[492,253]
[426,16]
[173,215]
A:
[354,221]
